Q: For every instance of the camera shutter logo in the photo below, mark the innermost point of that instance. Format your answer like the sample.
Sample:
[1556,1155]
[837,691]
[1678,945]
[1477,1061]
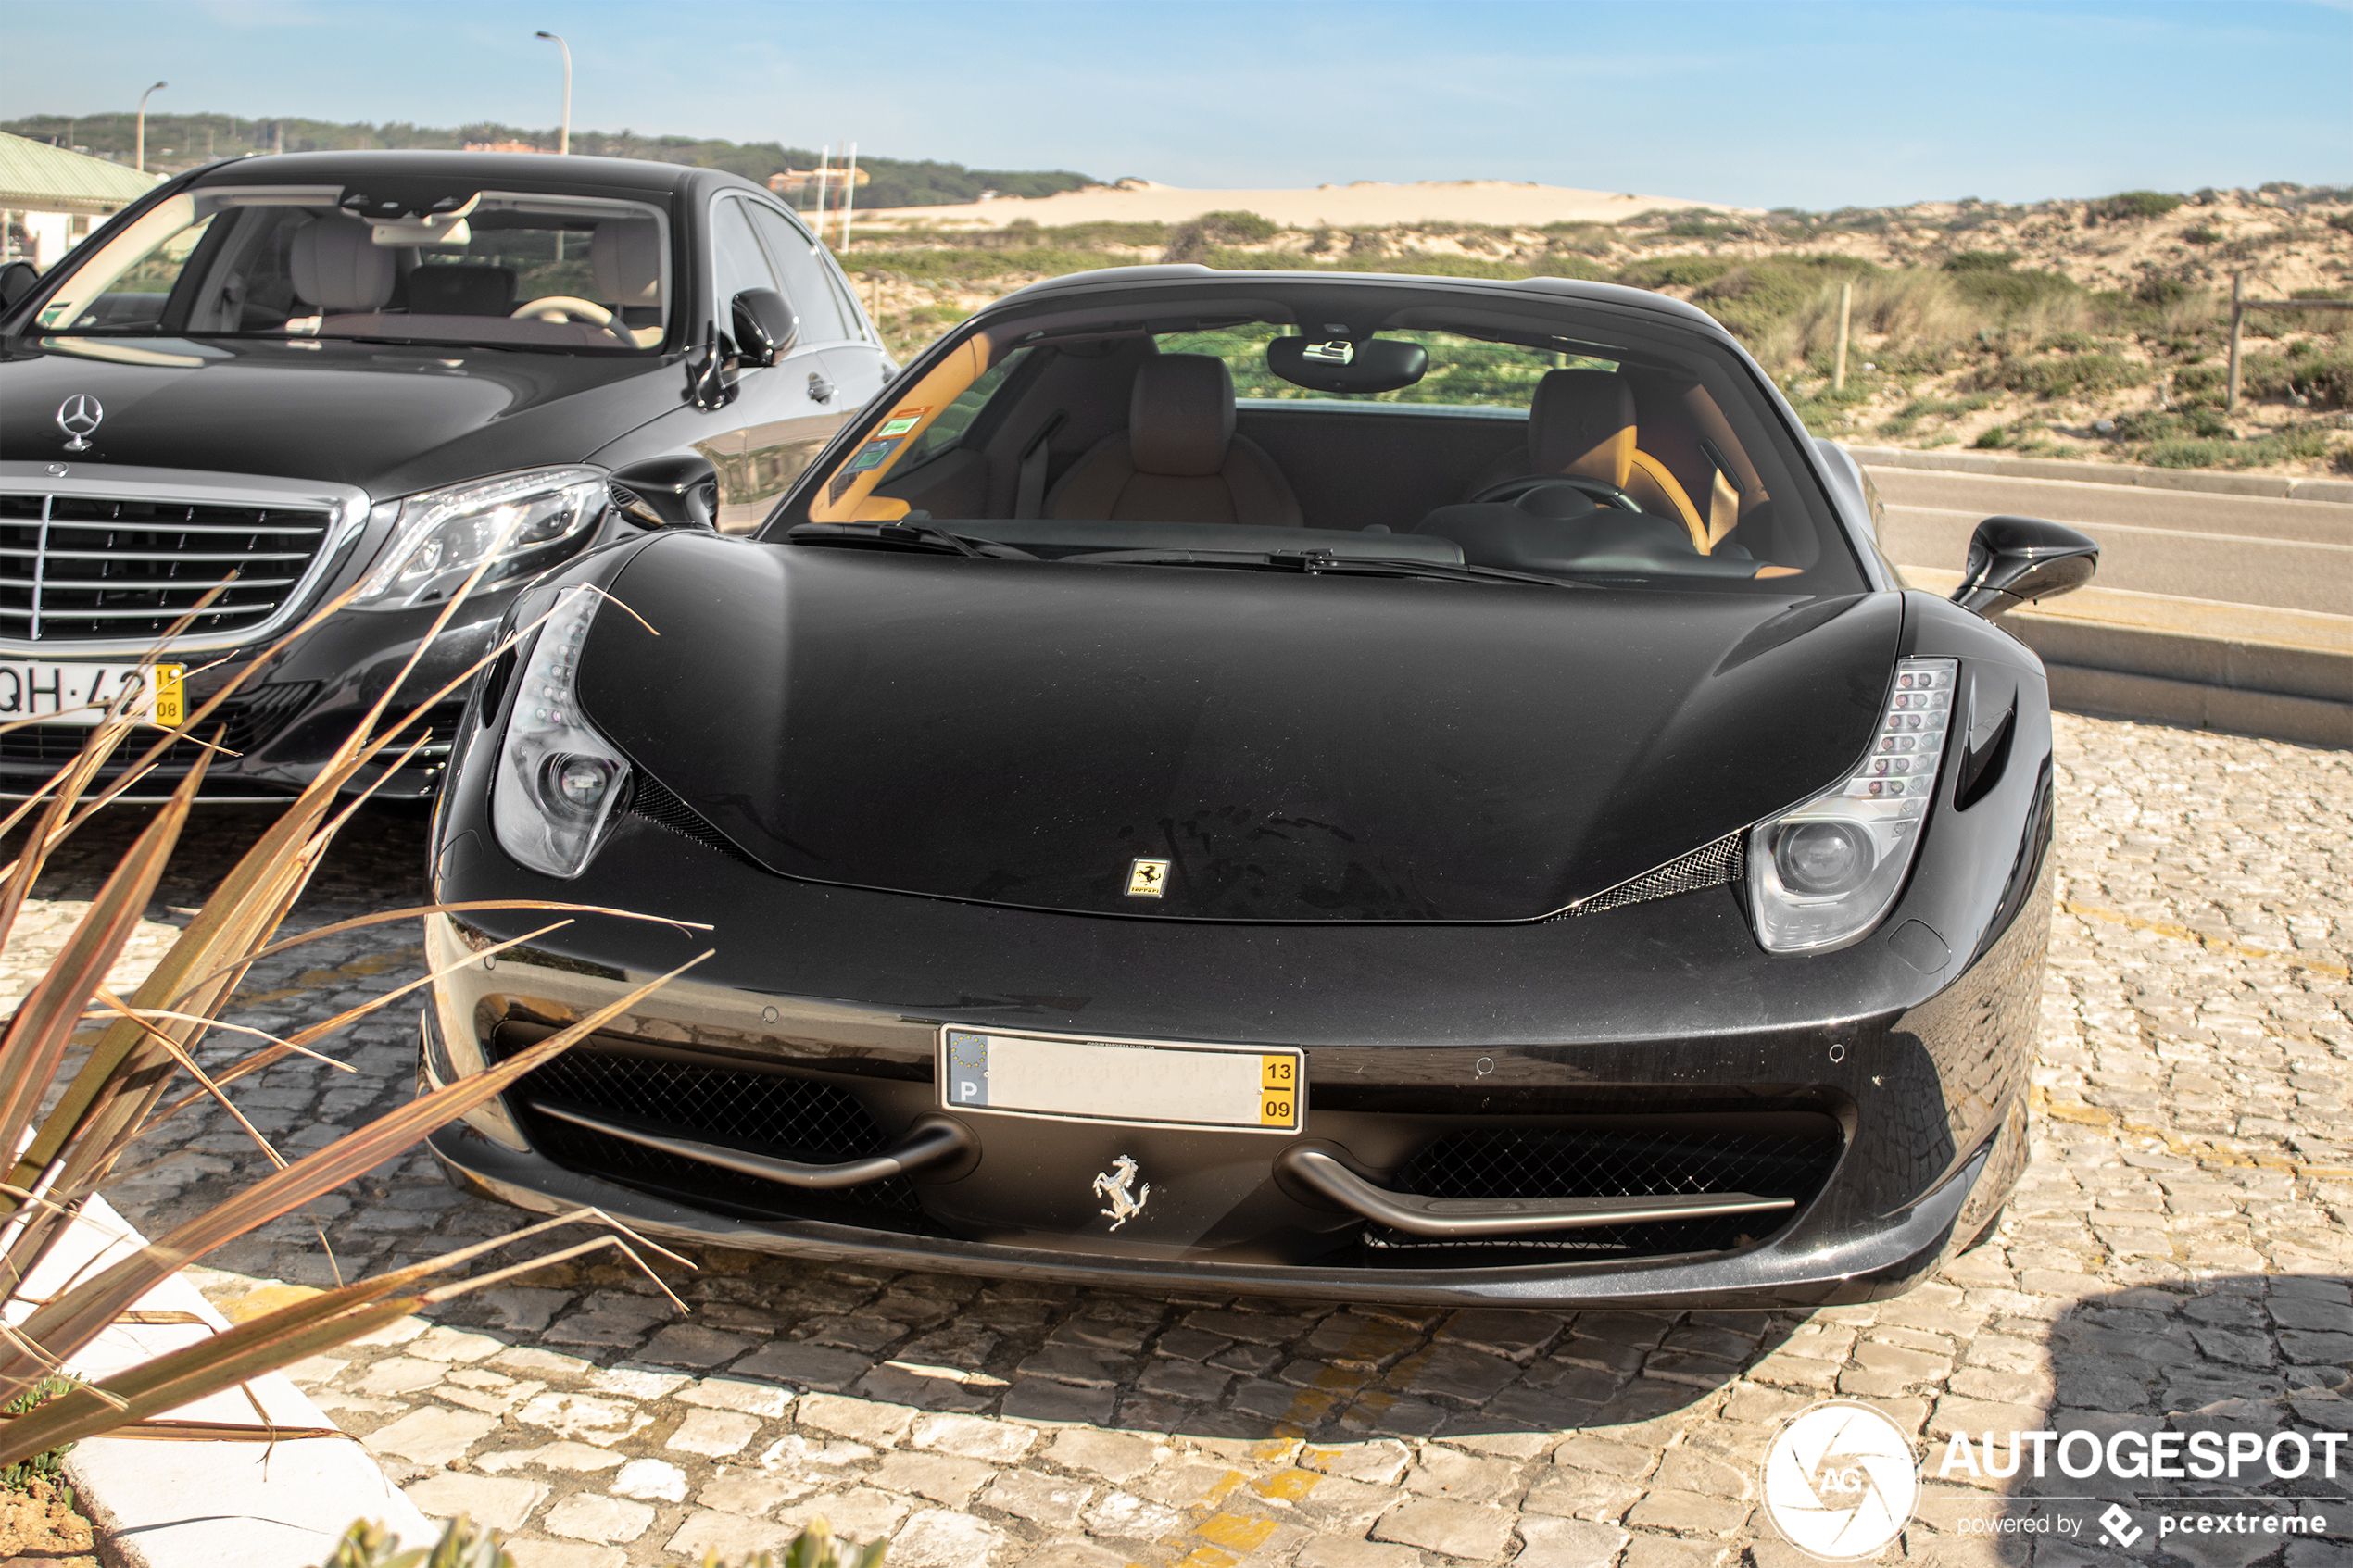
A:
[1841,1480]
[78,417]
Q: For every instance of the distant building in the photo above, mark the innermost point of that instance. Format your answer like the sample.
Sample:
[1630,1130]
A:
[50,198]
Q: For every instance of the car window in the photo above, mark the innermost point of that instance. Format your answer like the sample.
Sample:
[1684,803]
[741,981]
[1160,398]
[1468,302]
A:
[1464,372]
[738,262]
[957,418]
[519,269]
[802,266]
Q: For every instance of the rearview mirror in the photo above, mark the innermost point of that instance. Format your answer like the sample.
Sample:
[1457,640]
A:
[765,326]
[1376,364]
[2016,560]
[18,278]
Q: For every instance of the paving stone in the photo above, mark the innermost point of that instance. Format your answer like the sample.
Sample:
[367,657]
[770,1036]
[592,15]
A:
[1453,1529]
[998,1442]
[1383,1464]
[1109,1455]
[942,1477]
[586,1517]
[735,1490]
[734,1394]
[1052,1502]
[728,1536]
[861,1421]
[1446,1473]
[806,1366]
[859,1514]
[1568,1543]
[503,1504]
[1346,1551]
[550,1456]
[714,1434]
[651,1479]
[937,1538]
[431,1435]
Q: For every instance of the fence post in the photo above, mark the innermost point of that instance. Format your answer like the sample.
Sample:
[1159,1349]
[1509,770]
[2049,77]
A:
[2238,314]
[1845,304]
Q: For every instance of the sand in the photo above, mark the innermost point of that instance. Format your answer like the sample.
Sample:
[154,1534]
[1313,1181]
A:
[1364,203]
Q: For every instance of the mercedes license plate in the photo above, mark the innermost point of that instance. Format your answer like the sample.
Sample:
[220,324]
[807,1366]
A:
[81,694]
[1254,1088]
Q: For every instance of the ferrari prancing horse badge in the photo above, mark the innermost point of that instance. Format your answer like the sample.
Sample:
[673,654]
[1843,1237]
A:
[1145,878]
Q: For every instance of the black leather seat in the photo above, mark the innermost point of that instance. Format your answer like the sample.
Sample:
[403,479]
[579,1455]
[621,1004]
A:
[1178,460]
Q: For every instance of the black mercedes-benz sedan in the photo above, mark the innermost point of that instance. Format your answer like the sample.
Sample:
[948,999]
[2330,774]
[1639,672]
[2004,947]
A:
[307,375]
[1380,787]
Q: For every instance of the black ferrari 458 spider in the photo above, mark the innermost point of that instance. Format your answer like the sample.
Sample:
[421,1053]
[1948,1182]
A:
[1402,788]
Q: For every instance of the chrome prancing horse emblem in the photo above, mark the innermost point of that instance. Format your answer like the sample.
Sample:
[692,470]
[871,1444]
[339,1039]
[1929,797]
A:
[78,417]
[1112,1187]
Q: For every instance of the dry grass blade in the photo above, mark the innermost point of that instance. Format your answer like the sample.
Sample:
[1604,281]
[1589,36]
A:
[71,1322]
[37,1037]
[214,1432]
[204,1085]
[279,1051]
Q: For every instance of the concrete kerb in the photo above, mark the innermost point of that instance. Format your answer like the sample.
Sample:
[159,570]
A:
[202,1504]
[2275,487]
[2279,674]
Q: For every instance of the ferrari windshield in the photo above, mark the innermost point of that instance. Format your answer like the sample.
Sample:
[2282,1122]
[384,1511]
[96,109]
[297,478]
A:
[1371,420]
[497,269]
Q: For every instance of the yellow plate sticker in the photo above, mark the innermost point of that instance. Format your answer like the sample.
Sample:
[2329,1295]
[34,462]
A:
[1278,1091]
[171,698]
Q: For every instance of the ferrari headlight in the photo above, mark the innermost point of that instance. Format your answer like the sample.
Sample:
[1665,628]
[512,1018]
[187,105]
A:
[1822,875]
[520,521]
[559,785]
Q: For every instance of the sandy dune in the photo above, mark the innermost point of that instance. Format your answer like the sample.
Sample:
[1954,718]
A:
[1365,201]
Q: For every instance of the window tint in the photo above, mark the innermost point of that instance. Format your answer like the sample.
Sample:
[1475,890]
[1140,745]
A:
[803,270]
[738,262]
[957,418]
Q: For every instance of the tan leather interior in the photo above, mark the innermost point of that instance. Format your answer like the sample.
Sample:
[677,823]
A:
[1583,422]
[338,267]
[1178,460]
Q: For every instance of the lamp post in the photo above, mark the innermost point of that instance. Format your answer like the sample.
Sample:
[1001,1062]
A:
[140,157]
[564,137]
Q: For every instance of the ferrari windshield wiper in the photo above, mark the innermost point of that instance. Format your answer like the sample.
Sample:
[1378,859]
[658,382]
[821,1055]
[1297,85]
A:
[919,538]
[1321,563]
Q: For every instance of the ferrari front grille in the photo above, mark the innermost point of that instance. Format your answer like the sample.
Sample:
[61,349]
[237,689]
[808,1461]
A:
[1711,865]
[798,1118]
[78,568]
[1792,1158]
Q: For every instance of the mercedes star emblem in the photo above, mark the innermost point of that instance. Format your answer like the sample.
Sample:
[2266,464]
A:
[78,416]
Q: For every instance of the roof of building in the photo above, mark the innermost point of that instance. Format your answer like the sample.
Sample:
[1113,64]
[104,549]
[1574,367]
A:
[47,179]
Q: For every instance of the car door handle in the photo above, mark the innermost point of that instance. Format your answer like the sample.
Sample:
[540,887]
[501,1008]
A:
[819,389]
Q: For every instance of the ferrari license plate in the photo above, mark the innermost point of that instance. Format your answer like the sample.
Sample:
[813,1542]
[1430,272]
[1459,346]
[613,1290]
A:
[1135,1082]
[81,694]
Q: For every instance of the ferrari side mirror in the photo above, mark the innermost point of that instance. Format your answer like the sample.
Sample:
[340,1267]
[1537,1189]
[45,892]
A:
[765,326]
[2016,560]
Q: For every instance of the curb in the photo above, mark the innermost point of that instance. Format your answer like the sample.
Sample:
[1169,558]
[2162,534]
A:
[2278,487]
[2279,674]
[200,1505]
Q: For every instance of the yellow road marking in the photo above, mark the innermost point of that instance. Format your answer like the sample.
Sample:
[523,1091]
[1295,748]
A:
[2212,944]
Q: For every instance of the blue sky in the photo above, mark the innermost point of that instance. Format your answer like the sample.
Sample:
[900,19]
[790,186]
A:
[1754,102]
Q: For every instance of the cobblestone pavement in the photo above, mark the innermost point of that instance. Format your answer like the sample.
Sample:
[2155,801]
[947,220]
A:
[2178,1249]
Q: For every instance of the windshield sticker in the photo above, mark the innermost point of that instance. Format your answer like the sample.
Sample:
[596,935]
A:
[872,455]
[902,421]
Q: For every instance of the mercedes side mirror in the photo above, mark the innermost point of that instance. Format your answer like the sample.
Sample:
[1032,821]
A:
[679,492]
[765,326]
[2016,560]
[18,280]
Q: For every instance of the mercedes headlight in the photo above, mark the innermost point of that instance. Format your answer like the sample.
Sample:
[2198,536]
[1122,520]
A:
[560,786]
[1823,875]
[521,521]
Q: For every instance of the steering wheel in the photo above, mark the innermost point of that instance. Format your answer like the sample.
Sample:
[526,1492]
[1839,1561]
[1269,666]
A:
[561,308]
[1599,489]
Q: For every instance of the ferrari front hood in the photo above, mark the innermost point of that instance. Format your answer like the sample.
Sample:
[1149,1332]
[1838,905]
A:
[1295,747]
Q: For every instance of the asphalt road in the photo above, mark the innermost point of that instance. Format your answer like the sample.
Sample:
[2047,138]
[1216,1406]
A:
[2239,550]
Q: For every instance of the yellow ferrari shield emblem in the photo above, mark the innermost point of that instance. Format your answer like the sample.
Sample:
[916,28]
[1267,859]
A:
[1146,877]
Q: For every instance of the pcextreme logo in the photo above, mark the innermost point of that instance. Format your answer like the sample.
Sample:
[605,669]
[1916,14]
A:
[1840,1481]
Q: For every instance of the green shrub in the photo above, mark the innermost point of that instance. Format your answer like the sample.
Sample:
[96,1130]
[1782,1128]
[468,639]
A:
[2287,446]
[1675,271]
[1212,231]
[2012,293]
[1981,261]
[1907,418]
[2132,203]
[49,1464]
[2201,384]
[2343,220]
[2162,292]
[2199,235]
[957,266]
[2164,424]
[1556,266]
[2063,377]
[2323,375]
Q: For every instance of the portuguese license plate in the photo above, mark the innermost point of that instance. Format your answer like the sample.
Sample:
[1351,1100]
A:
[1134,1082]
[81,694]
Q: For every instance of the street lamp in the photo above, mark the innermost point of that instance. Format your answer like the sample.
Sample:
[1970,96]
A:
[141,156]
[564,137]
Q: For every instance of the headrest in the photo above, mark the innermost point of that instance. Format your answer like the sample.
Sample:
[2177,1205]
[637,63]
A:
[338,268]
[1180,416]
[1583,421]
[624,257]
[461,289]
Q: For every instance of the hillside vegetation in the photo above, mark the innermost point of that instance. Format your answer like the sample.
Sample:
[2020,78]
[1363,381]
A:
[2092,329]
[182,141]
